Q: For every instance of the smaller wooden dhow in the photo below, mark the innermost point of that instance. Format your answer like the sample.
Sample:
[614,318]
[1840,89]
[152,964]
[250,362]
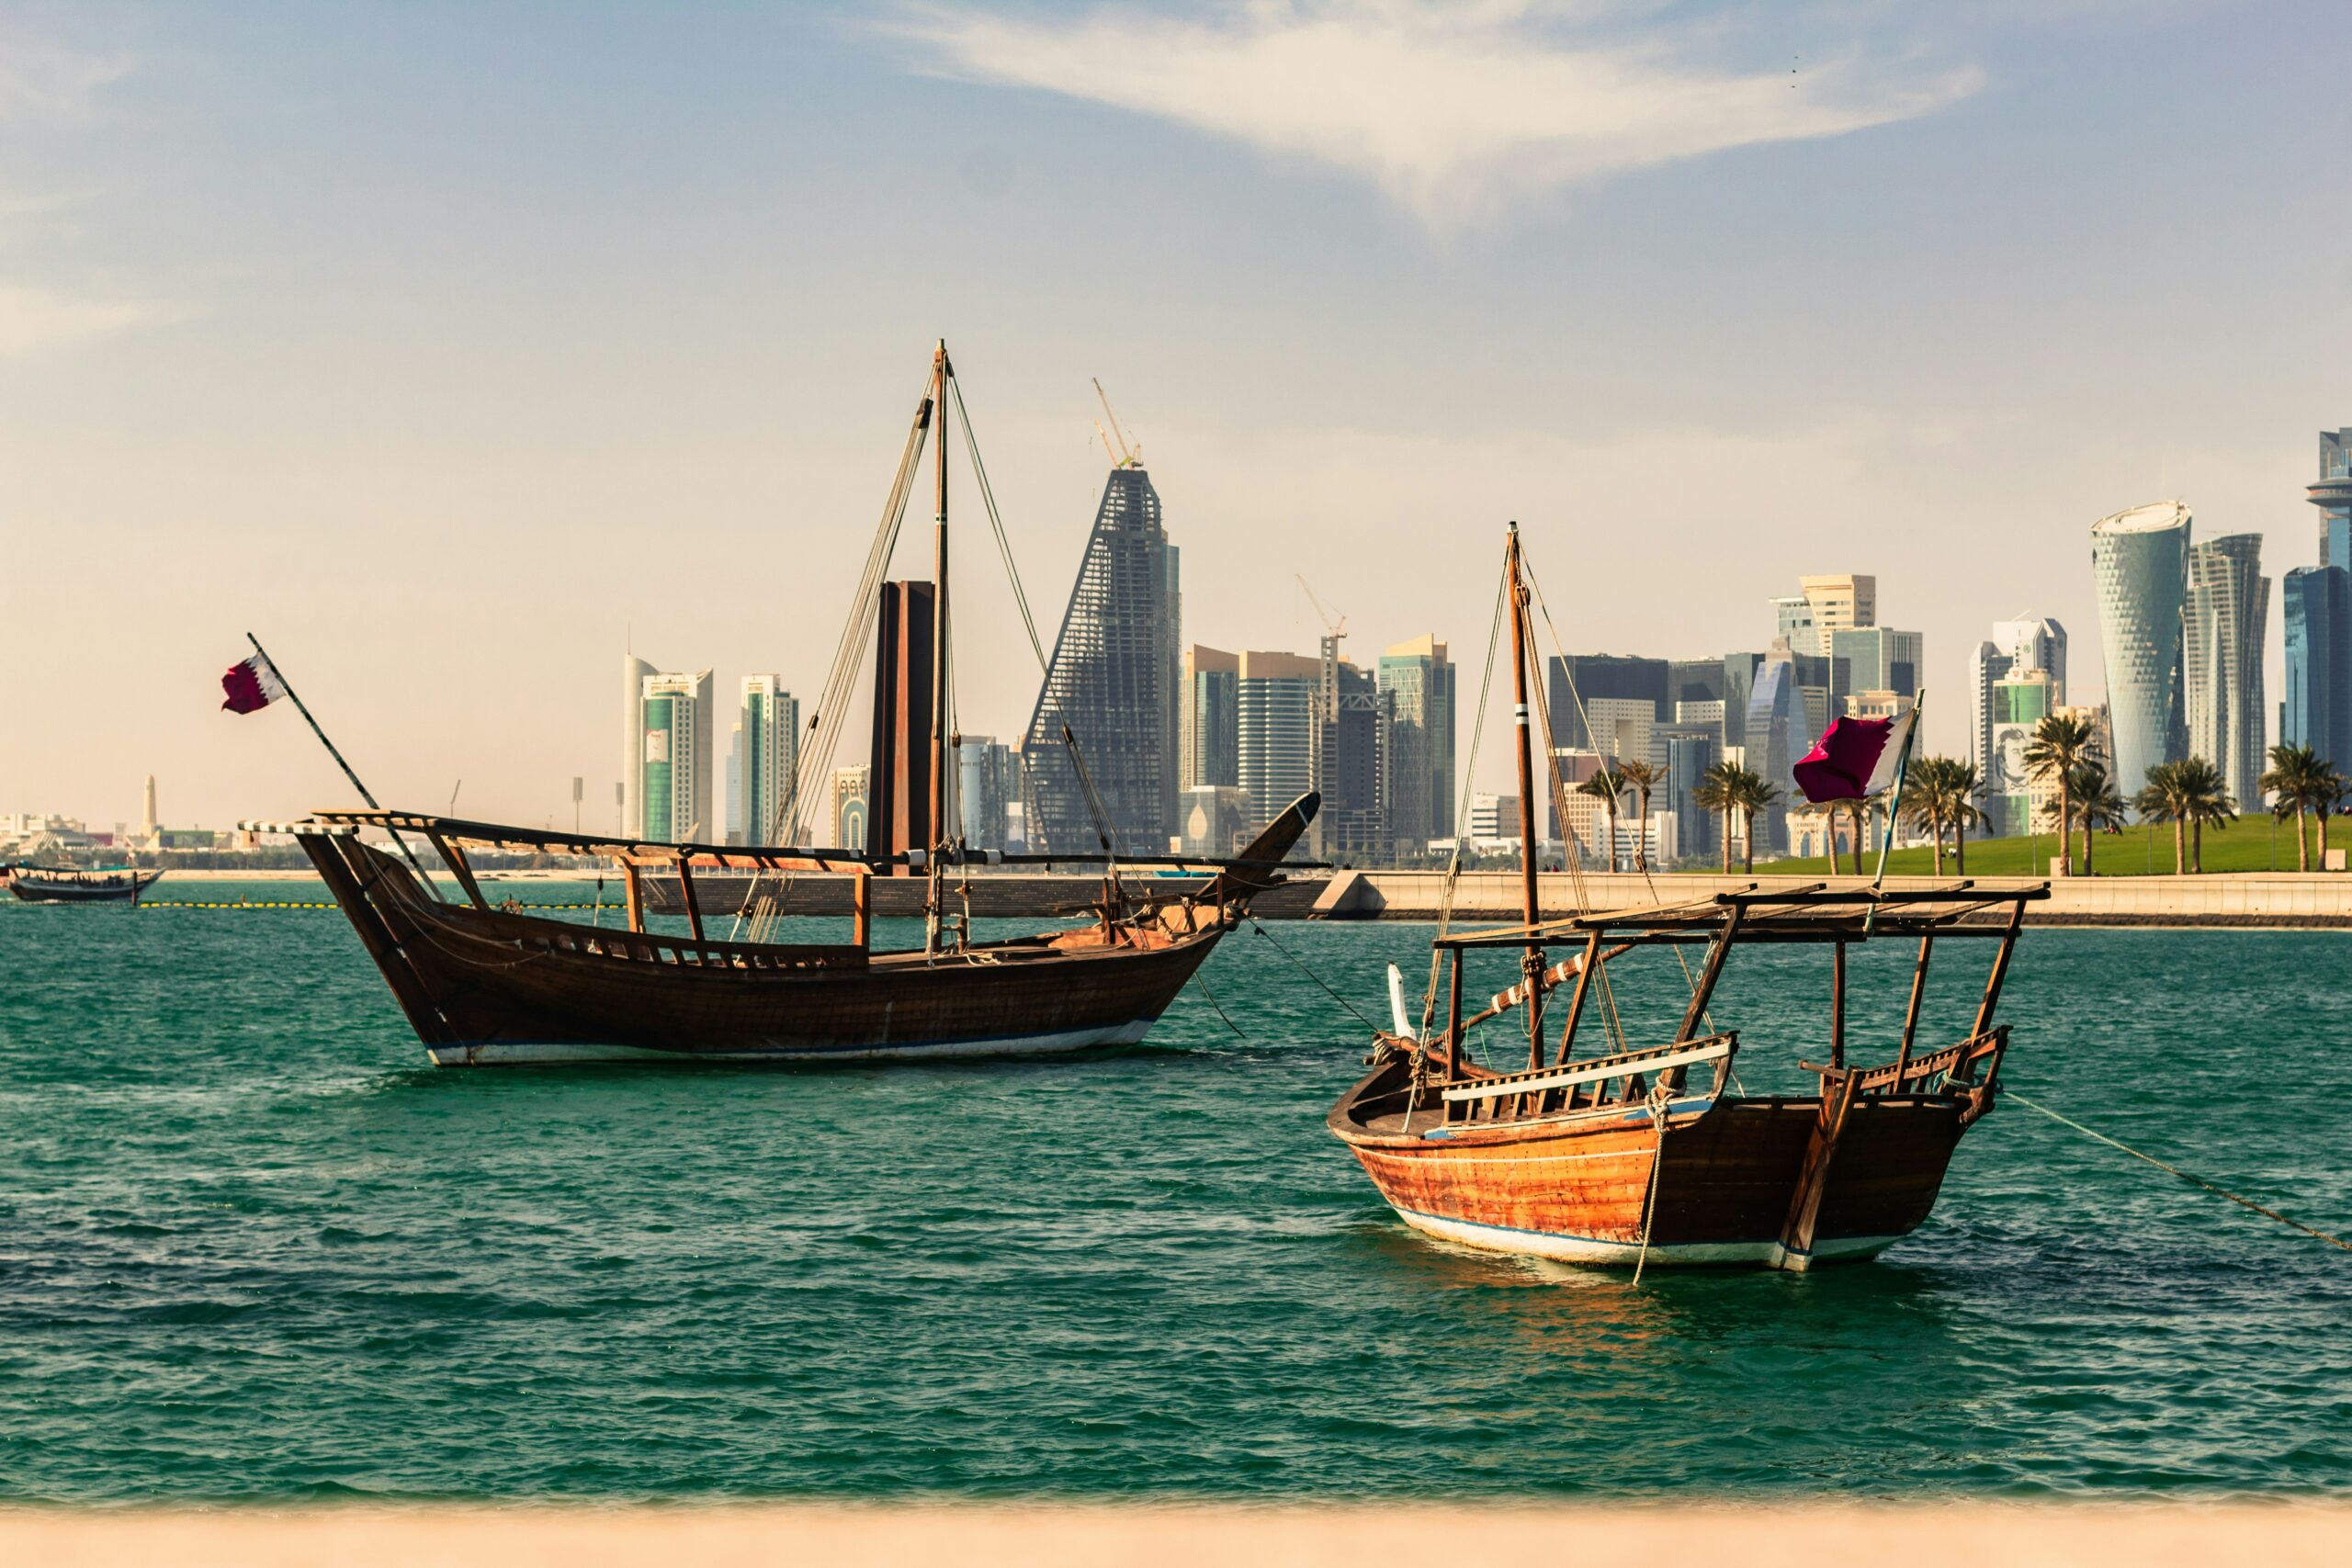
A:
[1653,1153]
[55,884]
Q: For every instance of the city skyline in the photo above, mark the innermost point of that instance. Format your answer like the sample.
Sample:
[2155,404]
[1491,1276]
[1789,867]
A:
[277,344]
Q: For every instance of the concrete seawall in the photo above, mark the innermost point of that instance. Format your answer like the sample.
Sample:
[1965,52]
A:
[2317,900]
[2263,898]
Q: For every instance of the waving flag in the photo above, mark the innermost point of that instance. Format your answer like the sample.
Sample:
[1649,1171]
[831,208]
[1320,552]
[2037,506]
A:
[252,684]
[1855,757]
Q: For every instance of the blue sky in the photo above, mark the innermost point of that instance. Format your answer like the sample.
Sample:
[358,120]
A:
[449,346]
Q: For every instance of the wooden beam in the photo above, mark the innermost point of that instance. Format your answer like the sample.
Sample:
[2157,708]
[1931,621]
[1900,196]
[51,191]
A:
[2000,973]
[455,861]
[1576,1001]
[686,892]
[1837,1006]
[1840,1091]
[861,910]
[1705,989]
[1454,1023]
[636,881]
[1918,995]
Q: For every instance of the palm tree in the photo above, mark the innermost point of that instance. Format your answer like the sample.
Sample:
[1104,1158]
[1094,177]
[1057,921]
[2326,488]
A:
[1755,796]
[1642,778]
[2060,745]
[2098,803]
[1606,787]
[1926,799]
[1960,784]
[2295,781]
[2189,795]
[1718,791]
[1858,808]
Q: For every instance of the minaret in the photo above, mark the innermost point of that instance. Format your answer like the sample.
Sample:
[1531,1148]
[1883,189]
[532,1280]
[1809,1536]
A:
[147,820]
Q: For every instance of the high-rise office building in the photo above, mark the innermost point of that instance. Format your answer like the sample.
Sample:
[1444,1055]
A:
[1874,659]
[2224,623]
[1212,730]
[2035,642]
[2316,710]
[1417,678]
[1779,734]
[633,673]
[2332,496]
[1351,766]
[675,783]
[1685,752]
[1838,603]
[1588,678]
[2140,568]
[1113,681]
[987,782]
[768,752]
[1792,623]
[2018,701]
[1279,721]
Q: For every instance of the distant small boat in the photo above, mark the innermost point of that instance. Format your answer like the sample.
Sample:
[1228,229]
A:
[57,885]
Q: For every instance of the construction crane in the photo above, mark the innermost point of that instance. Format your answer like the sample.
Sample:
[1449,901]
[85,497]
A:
[1328,696]
[1125,456]
[1337,629]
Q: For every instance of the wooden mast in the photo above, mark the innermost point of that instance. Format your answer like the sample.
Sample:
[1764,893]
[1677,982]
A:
[1531,962]
[938,812]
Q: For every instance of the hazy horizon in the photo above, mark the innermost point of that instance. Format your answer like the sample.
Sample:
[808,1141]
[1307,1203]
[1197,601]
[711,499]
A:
[452,351]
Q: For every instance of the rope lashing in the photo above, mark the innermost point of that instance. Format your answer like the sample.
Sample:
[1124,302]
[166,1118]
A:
[1660,1098]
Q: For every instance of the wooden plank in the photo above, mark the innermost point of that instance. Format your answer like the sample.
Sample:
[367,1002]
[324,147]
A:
[1919,996]
[636,894]
[456,861]
[2000,971]
[1805,1205]
[686,892]
[1838,1005]
[1708,976]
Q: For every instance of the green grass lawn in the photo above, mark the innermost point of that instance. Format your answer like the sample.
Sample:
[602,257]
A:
[2135,851]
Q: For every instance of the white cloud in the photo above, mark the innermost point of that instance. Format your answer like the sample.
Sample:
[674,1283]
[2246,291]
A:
[39,81]
[1454,110]
[33,320]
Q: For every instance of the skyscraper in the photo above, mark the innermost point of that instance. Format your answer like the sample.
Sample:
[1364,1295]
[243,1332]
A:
[1418,677]
[2317,708]
[675,783]
[2139,567]
[2019,647]
[1113,682]
[1839,603]
[1581,678]
[2332,496]
[1211,732]
[1777,736]
[768,762]
[633,673]
[985,784]
[2227,614]
[2035,642]
[849,805]
[1278,724]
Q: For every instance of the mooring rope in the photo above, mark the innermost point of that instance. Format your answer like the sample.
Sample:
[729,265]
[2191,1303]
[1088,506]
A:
[2176,1171]
[1314,977]
[1660,1097]
[1202,986]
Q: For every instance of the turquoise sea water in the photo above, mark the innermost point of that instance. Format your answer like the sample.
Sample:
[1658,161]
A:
[252,1247]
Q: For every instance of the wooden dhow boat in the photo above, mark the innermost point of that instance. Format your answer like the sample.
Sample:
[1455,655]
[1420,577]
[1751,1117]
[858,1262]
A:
[484,985]
[1638,1153]
[54,884]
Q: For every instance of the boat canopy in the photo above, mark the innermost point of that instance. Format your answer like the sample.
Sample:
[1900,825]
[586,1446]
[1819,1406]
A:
[1814,912]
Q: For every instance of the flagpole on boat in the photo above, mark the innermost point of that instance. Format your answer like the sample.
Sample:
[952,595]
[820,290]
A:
[304,709]
[935,895]
[1886,837]
[1532,962]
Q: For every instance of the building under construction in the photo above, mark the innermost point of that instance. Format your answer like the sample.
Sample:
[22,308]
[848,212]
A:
[1113,681]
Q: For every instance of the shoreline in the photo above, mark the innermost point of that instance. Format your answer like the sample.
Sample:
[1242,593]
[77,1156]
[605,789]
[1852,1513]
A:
[2018,1534]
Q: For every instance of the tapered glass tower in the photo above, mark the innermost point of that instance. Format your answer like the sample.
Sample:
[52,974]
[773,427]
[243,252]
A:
[2140,568]
[1113,682]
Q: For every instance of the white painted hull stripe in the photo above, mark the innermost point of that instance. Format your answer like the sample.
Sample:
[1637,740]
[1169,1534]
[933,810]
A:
[551,1053]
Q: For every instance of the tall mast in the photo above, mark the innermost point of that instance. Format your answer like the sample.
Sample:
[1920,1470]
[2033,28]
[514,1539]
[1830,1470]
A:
[939,665]
[1532,963]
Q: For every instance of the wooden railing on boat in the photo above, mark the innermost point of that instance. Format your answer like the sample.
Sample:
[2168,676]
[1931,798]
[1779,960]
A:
[1551,1091]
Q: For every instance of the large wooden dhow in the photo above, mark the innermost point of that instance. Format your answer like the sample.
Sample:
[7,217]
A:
[1639,1153]
[485,985]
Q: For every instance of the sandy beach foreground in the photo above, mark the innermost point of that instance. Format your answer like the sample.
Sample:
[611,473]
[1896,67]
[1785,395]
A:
[2281,1535]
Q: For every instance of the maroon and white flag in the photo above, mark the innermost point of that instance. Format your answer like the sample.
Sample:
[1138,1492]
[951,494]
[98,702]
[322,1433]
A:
[1855,757]
[252,684]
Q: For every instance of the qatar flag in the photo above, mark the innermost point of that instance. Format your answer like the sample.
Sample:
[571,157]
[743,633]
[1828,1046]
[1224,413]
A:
[252,684]
[1855,757]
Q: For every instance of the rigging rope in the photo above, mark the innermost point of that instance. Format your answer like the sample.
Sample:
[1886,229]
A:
[1660,1097]
[2176,1171]
[1462,820]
